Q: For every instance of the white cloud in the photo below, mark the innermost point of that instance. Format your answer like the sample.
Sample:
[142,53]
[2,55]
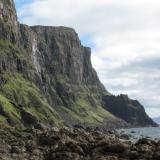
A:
[125,34]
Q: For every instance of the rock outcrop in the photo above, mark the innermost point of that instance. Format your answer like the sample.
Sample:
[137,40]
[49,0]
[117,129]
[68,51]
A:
[9,25]
[72,144]
[129,110]
[46,77]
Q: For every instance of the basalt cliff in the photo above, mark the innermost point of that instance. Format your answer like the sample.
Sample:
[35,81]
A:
[47,79]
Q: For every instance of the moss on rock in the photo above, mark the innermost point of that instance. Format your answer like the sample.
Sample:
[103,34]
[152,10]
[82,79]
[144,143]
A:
[8,111]
[25,95]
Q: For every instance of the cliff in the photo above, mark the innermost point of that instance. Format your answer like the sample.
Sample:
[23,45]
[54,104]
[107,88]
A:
[46,77]
[129,110]
[157,120]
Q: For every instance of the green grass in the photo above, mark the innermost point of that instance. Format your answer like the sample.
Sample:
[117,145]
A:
[25,94]
[2,119]
[17,89]
[12,53]
[9,109]
[89,113]
[86,106]
[8,48]
[83,111]
[62,79]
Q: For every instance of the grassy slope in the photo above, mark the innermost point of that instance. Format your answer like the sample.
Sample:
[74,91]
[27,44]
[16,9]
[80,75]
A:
[25,94]
[86,106]
[19,93]
[16,91]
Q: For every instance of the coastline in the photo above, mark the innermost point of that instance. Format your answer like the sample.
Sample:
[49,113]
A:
[72,144]
[134,134]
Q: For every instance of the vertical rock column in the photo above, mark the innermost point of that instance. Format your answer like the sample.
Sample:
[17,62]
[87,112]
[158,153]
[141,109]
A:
[9,26]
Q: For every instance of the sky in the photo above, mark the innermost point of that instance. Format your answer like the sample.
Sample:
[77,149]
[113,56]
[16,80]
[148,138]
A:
[124,37]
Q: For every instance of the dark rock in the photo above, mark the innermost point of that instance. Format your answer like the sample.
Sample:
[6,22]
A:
[125,136]
[29,119]
[72,144]
[129,110]
[133,131]
[11,28]
[145,141]
[48,140]
[17,149]
[117,148]
[156,156]
[133,155]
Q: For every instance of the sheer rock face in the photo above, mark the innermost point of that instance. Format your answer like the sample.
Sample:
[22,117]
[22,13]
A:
[59,51]
[9,26]
[64,73]
[129,110]
[46,74]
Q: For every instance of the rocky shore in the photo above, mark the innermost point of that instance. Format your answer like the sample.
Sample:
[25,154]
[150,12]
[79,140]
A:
[47,80]
[72,144]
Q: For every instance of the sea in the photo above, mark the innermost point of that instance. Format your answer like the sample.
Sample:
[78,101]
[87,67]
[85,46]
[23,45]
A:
[138,133]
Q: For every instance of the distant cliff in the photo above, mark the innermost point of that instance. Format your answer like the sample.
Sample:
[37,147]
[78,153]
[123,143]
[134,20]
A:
[157,120]
[46,78]
[129,110]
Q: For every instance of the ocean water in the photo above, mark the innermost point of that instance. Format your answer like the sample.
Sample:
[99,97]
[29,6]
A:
[138,133]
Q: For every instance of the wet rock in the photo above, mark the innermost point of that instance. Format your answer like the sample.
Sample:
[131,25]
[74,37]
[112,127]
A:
[145,141]
[72,144]
[133,131]
[125,136]
[156,156]
[17,149]
[45,139]
[133,155]
[107,158]
[117,148]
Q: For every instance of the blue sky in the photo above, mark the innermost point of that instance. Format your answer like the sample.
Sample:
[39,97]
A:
[20,3]
[86,38]
[124,37]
